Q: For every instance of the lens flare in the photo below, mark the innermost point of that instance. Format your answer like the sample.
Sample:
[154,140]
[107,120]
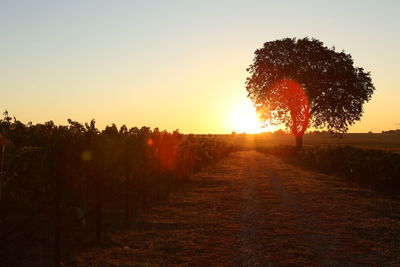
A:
[150,142]
[86,155]
[293,99]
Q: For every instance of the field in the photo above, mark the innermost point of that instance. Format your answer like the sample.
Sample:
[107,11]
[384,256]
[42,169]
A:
[77,196]
[199,133]
[390,142]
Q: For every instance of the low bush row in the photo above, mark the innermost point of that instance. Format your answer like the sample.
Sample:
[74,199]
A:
[82,181]
[375,169]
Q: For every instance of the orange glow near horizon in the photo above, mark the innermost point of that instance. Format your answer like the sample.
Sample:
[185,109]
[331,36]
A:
[178,65]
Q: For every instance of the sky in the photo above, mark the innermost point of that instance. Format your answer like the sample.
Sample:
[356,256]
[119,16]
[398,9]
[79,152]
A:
[178,64]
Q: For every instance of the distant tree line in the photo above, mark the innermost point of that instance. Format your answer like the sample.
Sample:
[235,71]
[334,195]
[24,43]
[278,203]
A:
[397,131]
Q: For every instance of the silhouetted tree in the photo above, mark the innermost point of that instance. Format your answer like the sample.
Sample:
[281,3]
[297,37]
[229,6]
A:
[302,83]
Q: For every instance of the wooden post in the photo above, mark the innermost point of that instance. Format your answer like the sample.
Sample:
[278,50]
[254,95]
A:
[144,189]
[158,184]
[168,183]
[98,198]
[57,170]
[127,187]
[2,173]
[57,223]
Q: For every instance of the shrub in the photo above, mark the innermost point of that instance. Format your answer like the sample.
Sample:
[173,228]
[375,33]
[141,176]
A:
[375,169]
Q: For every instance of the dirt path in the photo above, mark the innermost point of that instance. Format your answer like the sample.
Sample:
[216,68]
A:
[255,210]
[252,218]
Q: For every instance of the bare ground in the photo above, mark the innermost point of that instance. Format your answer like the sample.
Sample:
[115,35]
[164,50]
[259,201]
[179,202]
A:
[255,210]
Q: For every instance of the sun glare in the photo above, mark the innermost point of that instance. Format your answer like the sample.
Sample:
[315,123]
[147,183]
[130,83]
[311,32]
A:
[244,118]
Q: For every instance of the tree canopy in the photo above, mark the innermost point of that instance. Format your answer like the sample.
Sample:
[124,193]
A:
[302,83]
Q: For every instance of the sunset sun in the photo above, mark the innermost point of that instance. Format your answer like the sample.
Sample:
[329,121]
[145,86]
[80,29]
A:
[244,118]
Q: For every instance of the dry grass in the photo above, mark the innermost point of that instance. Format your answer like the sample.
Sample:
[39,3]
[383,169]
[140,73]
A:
[254,210]
[196,228]
[339,224]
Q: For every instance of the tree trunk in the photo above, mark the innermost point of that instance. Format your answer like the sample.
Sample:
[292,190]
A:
[299,142]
